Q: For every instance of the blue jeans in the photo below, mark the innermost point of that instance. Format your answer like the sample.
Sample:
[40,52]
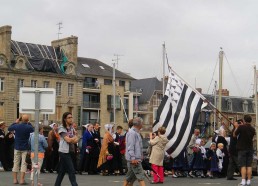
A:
[66,165]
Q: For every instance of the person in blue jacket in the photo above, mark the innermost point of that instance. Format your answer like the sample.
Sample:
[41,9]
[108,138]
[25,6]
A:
[21,146]
[42,145]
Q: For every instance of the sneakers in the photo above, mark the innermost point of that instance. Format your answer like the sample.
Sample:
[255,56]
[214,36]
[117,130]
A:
[202,176]
[174,176]
[191,175]
[241,184]
[1,169]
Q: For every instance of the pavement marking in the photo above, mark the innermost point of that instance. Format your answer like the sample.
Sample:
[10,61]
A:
[115,181]
[209,183]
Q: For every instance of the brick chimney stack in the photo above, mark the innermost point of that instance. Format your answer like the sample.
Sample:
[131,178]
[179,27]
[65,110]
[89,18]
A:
[225,92]
[70,47]
[199,90]
[5,41]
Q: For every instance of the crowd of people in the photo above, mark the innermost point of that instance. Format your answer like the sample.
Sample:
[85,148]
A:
[119,153]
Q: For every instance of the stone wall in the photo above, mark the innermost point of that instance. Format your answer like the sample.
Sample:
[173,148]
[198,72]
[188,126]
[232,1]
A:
[10,95]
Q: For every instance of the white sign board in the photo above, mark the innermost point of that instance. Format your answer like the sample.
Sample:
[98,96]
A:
[47,100]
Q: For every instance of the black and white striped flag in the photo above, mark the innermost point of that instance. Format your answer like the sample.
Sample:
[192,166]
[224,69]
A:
[178,113]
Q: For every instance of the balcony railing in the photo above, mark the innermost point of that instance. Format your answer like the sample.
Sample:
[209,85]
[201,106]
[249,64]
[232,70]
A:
[92,121]
[91,85]
[91,105]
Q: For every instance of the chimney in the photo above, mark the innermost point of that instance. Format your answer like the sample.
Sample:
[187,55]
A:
[69,46]
[199,90]
[224,92]
[5,41]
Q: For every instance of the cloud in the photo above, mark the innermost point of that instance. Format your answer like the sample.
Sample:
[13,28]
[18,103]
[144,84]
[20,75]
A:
[193,31]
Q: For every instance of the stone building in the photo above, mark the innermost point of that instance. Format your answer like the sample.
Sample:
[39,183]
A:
[32,65]
[98,93]
[233,108]
[147,98]
[83,85]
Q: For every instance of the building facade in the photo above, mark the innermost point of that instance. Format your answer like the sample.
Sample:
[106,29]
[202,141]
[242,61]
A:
[84,86]
[38,66]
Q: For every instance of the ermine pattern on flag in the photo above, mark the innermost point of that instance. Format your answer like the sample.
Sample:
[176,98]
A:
[178,112]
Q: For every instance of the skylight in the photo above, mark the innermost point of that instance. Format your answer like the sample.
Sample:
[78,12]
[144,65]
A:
[102,67]
[85,65]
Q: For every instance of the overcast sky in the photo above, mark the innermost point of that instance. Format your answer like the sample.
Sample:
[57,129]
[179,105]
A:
[193,30]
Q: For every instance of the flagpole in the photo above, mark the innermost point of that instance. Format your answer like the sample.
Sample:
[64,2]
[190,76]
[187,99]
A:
[256,110]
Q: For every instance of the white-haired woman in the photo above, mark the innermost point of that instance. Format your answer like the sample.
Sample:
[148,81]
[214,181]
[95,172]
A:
[107,149]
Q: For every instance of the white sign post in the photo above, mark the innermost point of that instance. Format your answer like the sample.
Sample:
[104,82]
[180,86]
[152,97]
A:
[37,100]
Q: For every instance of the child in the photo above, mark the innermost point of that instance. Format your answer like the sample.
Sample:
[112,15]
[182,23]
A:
[220,155]
[212,160]
[180,165]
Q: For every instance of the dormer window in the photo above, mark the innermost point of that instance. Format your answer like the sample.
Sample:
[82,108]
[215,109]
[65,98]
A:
[85,65]
[229,105]
[245,106]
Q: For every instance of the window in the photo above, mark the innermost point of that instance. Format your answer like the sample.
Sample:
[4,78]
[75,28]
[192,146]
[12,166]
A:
[46,84]
[89,82]
[126,111]
[1,84]
[45,117]
[70,89]
[58,113]
[58,88]
[245,106]
[107,81]
[70,109]
[155,113]
[17,110]
[33,83]
[91,100]
[253,105]
[121,83]
[111,116]
[110,102]
[85,65]
[20,84]
[1,109]
[229,105]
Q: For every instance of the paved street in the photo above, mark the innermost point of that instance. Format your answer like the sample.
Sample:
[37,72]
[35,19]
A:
[49,179]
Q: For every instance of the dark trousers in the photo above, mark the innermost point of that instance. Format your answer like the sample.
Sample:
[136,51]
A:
[66,165]
[84,159]
[52,159]
[232,166]
[93,162]
[73,155]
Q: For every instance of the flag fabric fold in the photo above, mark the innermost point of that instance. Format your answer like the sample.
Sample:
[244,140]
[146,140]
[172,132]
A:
[178,113]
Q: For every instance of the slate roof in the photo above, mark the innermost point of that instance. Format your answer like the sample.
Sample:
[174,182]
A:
[95,69]
[45,58]
[148,85]
[41,58]
[237,103]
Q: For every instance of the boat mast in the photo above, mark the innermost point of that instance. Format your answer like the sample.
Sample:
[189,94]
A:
[221,53]
[163,71]
[256,110]
[215,104]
